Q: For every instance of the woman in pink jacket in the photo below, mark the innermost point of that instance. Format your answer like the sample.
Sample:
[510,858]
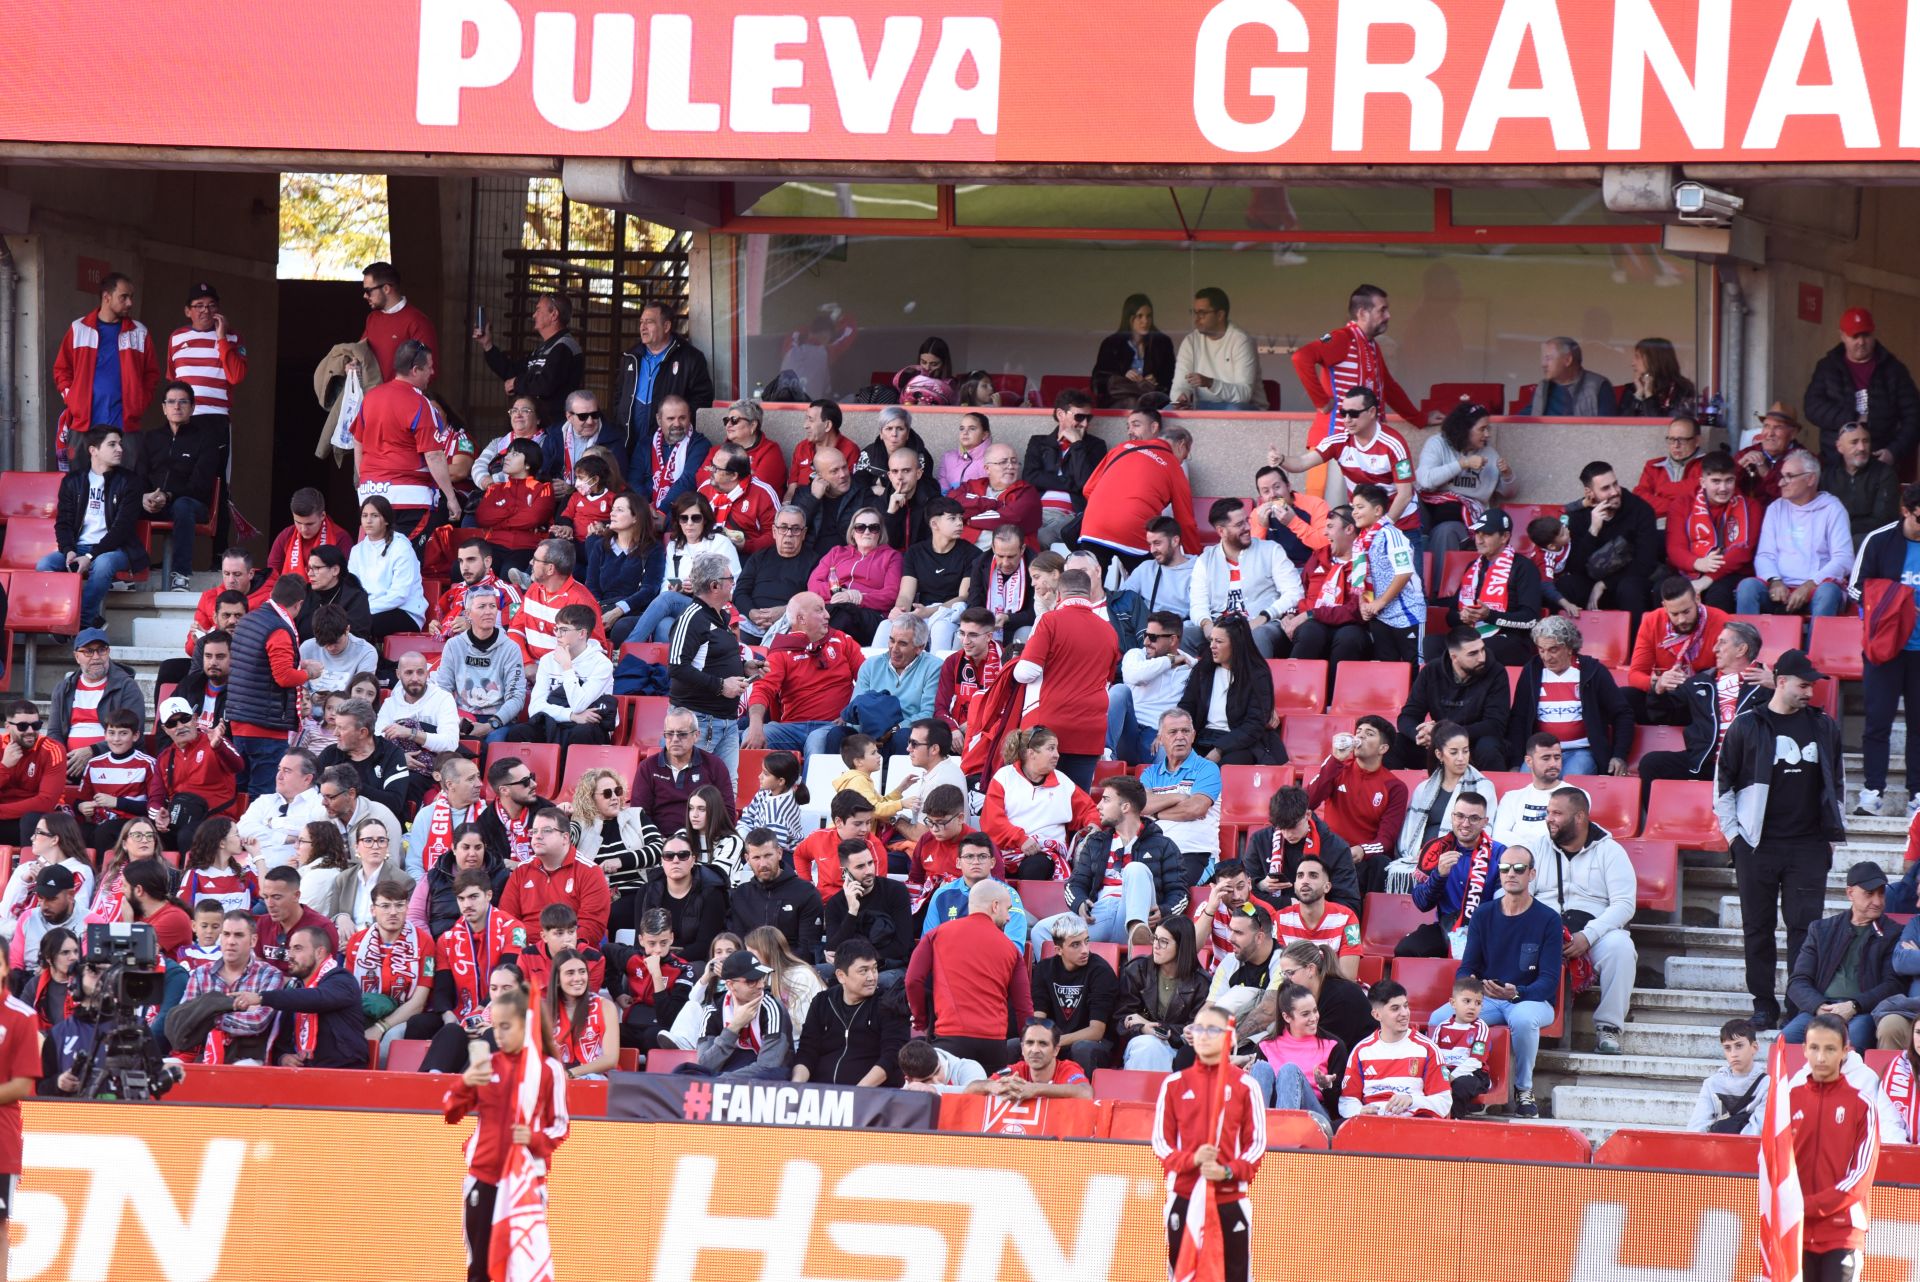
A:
[860,581]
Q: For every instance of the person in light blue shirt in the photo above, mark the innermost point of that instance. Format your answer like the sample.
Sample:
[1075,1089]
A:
[949,903]
[1183,796]
[1398,608]
[910,674]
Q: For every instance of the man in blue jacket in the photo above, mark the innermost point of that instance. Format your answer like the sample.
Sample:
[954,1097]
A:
[1515,950]
[326,1027]
[1846,965]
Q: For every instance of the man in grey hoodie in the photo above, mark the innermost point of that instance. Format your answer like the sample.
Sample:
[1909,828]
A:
[1586,877]
[482,668]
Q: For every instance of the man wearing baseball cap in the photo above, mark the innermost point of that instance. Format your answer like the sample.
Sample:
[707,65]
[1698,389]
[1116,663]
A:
[1846,969]
[58,890]
[209,358]
[1859,379]
[95,687]
[1777,796]
[751,1034]
[1500,593]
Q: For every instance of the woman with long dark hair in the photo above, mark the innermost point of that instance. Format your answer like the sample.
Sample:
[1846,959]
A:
[585,1025]
[1137,357]
[1159,995]
[690,531]
[56,982]
[1459,475]
[930,379]
[1230,698]
[388,568]
[1658,390]
[624,565]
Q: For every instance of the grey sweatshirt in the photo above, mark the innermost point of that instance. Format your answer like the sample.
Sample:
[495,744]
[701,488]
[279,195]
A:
[485,680]
[1708,1109]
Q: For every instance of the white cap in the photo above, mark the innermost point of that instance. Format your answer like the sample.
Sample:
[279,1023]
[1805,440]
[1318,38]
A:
[175,707]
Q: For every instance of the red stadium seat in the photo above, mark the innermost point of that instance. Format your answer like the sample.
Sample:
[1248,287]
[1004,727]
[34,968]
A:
[1294,1128]
[646,651]
[1655,739]
[1447,579]
[1385,920]
[36,603]
[642,718]
[1505,781]
[1372,970]
[407,1055]
[1499,1065]
[1125,1119]
[1835,645]
[1681,811]
[1444,396]
[32,494]
[1127,1084]
[1360,688]
[1613,802]
[1041,899]
[1604,636]
[1656,870]
[665,1061]
[1014,385]
[1428,981]
[1685,1151]
[884,376]
[28,538]
[1051,385]
[1058,1118]
[1299,685]
[399,643]
[1244,793]
[1309,739]
[748,782]
[1272,388]
[1524,514]
[623,761]
[629,1059]
[1778,633]
[1438,1137]
[541,758]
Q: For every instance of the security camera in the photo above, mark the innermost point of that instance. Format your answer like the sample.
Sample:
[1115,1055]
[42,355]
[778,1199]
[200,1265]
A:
[1697,203]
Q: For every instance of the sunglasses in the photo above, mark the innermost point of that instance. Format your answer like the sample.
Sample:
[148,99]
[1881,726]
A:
[523,782]
[675,856]
[691,518]
[1516,868]
[594,417]
[731,419]
[175,723]
[1080,418]
[608,794]
[26,725]
[1347,413]
[676,734]
[866,527]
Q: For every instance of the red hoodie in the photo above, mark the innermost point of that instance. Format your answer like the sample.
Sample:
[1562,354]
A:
[980,984]
[577,883]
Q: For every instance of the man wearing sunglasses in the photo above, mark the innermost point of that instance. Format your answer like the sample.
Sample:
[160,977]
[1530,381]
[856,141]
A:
[567,441]
[741,425]
[556,365]
[1514,947]
[1059,462]
[391,319]
[1367,452]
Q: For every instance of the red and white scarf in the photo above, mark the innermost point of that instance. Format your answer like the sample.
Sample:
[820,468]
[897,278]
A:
[1006,593]
[1309,849]
[1707,532]
[1683,646]
[519,840]
[1480,859]
[299,549]
[1369,369]
[750,1035]
[970,678]
[1487,584]
[1903,1090]
[440,826]
[306,1024]
[666,466]
[396,968]
[586,1043]
[470,966]
[1357,567]
[1336,586]
[1554,560]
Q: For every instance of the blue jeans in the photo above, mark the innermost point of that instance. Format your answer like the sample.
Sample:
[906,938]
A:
[99,577]
[790,736]
[827,736]
[1127,739]
[1112,914]
[185,513]
[260,762]
[656,621]
[1751,598]
[498,734]
[1525,1020]
[1577,761]
[1860,1031]
[721,737]
[1287,1087]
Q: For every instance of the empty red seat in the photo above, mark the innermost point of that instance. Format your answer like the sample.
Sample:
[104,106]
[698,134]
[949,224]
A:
[28,538]
[1778,633]
[1051,385]
[1439,1137]
[1385,920]
[1299,685]
[1613,802]
[1835,645]
[1127,1084]
[623,761]
[1309,739]
[1014,385]
[399,643]
[1448,576]
[1041,899]
[34,494]
[642,718]
[647,651]
[1125,1119]
[406,1055]
[1524,514]
[1294,1128]
[1655,739]
[1683,1151]
[1444,396]
[541,758]
[665,1061]
[1499,1065]
[1681,811]
[1429,984]
[1656,870]
[1244,794]
[1604,636]
[36,603]
[1360,688]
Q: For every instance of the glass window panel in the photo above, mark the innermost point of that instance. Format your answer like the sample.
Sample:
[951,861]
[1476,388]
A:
[1034,205]
[1272,208]
[1535,207]
[847,200]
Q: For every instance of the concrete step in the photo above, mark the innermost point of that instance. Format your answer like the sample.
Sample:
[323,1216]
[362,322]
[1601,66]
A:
[1669,1040]
[1731,917]
[1693,941]
[1687,1005]
[1890,856]
[1721,974]
[1621,1107]
[1590,1069]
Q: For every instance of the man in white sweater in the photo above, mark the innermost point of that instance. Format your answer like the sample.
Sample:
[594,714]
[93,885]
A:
[572,700]
[1522,814]
[421,718]
[1217,366]
[1587,878]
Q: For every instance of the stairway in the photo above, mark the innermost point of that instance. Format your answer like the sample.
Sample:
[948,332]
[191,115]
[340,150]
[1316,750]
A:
[145,627]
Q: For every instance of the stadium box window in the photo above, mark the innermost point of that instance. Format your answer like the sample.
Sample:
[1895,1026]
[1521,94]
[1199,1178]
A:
[847,200]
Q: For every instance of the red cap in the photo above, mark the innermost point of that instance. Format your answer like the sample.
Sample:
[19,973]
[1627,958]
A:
[1856,321]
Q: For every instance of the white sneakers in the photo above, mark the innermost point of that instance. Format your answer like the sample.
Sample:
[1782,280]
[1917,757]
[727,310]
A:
[1870,802]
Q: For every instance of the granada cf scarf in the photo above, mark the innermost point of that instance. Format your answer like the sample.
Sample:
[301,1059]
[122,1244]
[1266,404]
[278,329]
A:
[1480,858]
[666,465]
[1487,584]
[396,968]
[470,965]
[585,1043]
[1683,646]
[519,1249]
[1711,532]
[306,1024]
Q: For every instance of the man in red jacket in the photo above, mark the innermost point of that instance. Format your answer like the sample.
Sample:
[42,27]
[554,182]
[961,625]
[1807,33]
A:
[1131,486]
[1839,1113]
[33,773]
[1674,643]
[558,875]
[1000,498]
[1226,1158]
[1066,668]
[1360,800]
[1668,483]
[110,393]
[810,676]
[1711,536]
[967,983]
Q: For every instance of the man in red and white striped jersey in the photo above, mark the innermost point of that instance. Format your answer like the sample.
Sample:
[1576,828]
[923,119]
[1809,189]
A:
[208,357]
[1395,1072]
[1317,919]
[1367,452]
[553,589]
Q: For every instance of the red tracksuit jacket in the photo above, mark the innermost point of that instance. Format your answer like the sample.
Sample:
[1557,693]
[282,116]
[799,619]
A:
[1836,1145]
[1180,1115]
[495,1107]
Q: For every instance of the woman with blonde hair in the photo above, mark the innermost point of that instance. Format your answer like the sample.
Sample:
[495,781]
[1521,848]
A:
[794,982]
[618,837]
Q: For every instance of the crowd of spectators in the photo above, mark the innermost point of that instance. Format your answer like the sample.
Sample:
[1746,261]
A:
[1015,664]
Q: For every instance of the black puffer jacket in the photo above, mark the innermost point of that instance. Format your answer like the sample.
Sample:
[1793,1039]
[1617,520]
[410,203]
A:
[1893,404]
[442,912]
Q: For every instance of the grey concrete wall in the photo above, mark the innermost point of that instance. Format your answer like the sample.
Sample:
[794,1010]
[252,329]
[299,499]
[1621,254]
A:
[1547,455]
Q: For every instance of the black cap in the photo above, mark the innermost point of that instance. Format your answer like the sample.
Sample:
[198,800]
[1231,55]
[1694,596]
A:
[741,964]
[203,290]
[1867,875]
[1795,663]
[54,879]
[1493,521]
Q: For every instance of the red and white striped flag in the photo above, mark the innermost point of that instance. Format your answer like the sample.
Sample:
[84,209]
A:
[520,1250]
[1781,1212]
[1202,1256]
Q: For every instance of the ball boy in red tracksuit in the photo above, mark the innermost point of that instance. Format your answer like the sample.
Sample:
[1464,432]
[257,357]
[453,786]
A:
[1228,1156]
[1839,1116]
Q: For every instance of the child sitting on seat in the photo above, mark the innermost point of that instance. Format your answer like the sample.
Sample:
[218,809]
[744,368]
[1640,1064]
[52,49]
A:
[1463,1046]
